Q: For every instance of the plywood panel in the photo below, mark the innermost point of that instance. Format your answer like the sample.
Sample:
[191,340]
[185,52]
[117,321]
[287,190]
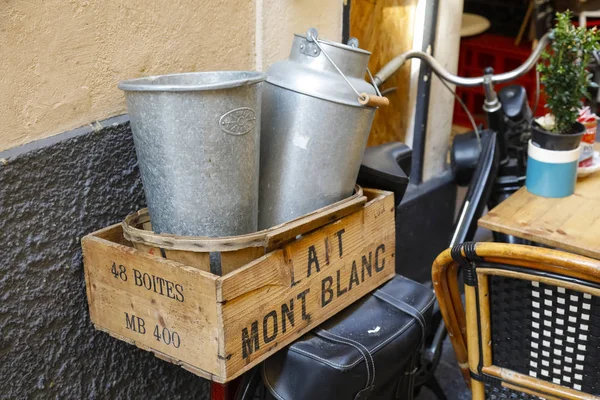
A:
[385,28]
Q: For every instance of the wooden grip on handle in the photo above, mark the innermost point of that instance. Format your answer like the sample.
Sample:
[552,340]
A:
[373,101]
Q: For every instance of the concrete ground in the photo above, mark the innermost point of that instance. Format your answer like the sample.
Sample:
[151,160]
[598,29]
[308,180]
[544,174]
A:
[449,377]
[448,374]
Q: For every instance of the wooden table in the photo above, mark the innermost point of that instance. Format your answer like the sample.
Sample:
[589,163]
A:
[570,223]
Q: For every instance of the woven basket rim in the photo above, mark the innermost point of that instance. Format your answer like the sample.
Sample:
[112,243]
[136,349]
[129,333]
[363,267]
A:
[135,234]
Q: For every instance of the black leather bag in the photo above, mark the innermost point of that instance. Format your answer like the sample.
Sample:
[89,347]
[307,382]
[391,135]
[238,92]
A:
[369,350]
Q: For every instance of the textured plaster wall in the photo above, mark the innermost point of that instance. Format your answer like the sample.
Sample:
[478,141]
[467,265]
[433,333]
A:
[61,59]
[282,18]
[49,199]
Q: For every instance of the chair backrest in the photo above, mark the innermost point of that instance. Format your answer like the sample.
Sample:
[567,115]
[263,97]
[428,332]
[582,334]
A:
[531,321]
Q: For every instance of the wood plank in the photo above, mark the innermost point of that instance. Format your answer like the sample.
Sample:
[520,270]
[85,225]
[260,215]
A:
[281,296]
[135,302]
[232,260]
[571,223]
[112,233]
[155,251]
[384,27]
[191,258]
[375,194]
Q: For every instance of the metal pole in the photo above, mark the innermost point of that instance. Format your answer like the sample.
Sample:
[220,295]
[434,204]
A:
[346,21]
[423,92]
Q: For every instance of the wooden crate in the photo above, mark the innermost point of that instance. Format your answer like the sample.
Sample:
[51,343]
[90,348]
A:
[220,326]
[222,255]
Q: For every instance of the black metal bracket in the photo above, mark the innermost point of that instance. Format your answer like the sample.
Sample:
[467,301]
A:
[487,379]
[467,262]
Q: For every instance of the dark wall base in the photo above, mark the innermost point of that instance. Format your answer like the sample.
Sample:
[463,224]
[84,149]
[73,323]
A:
[424,226]
[52,193]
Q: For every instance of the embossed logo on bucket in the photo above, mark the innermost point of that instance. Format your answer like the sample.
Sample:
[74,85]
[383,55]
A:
[238,121]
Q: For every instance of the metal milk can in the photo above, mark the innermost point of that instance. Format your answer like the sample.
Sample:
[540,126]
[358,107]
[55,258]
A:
[317,111]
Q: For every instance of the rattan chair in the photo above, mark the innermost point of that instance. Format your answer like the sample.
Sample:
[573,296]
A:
[532,323]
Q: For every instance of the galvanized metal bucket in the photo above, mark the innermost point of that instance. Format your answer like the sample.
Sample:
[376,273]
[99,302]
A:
[197,139]
[315,126]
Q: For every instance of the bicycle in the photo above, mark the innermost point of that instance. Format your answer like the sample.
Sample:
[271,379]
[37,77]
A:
[492,161]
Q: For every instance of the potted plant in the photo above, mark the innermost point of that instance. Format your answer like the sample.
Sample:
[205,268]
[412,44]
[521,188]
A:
[553,151]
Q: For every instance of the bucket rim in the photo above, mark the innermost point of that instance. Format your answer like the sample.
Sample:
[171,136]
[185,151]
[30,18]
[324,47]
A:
[148,83]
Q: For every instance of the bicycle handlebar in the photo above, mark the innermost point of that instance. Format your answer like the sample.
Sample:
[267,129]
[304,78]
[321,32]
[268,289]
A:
[391,67]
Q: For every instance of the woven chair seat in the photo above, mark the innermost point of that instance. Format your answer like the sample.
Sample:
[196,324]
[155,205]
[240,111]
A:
[502,393]
[552,336]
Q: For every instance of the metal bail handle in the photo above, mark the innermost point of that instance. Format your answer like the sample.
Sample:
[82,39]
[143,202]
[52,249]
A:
[312,35]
